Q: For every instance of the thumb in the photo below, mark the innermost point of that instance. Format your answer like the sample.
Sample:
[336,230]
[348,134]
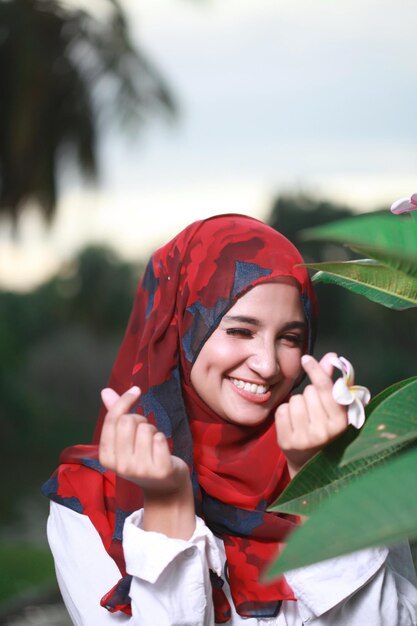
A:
[109,397]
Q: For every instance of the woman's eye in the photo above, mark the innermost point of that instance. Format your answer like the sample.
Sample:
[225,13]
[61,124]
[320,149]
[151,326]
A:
[295,340]
[239,332]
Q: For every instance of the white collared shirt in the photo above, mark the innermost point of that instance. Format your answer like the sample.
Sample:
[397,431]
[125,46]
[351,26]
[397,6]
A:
[171,584]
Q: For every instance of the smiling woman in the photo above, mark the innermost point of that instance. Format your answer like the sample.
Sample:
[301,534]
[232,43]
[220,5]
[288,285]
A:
[251,361]
[166,517]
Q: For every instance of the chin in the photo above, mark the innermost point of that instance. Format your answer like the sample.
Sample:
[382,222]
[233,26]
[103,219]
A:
[251,420]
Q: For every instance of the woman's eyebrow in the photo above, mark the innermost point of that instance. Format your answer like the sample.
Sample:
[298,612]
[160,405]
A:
[244,319]
[295,325]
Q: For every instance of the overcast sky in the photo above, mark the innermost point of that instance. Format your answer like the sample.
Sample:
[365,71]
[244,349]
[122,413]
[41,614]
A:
[281,95]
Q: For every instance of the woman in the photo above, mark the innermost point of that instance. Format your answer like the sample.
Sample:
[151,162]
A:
[164,521]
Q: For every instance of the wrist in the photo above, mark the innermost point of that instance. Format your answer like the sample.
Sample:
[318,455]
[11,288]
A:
[292,469]
[172,514]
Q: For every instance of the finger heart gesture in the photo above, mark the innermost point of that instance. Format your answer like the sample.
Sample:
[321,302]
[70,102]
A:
[135,450]
[310,420]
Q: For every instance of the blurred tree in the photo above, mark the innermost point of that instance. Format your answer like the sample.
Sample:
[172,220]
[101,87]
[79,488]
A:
[61,71]
[295,212]
[57,346]
[99,290]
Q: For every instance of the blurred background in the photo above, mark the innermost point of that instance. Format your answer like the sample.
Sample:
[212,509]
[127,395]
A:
[123,121]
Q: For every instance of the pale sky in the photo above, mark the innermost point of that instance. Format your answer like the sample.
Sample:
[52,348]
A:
[317,95]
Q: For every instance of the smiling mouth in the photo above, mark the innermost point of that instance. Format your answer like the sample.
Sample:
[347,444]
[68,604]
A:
[254,388]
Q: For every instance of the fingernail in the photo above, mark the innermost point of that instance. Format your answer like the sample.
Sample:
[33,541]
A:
[134,390]
[306,358]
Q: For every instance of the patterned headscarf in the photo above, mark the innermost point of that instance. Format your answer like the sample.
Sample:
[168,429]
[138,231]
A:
[237,471]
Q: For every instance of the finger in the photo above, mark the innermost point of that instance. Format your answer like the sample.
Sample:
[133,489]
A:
[109,397]
[319,417]
[120,406]
[161,453]
[292,424]
[326,414]
[313,403]
[143,447]
[283,425]
[300,421]
[316,373]
[124,441]
[326,364]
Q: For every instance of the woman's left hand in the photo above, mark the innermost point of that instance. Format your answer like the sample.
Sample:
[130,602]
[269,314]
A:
[310,420]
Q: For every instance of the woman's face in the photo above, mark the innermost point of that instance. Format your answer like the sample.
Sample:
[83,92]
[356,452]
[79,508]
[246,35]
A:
[251,361]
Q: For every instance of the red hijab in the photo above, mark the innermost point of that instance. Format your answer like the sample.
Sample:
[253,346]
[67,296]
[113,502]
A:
[237,472]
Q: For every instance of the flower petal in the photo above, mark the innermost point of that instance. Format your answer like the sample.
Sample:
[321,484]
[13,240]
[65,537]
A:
[356,414]
[361,393]
[341,393]
[349,372]
[336,362]
[404,205]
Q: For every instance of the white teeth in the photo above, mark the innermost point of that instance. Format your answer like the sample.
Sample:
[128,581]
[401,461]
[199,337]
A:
[252,387]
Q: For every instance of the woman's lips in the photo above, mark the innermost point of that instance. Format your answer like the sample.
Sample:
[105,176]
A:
[254,392]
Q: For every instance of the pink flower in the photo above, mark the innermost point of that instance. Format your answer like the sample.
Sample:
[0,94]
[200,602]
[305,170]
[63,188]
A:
[345,392]
[404,205]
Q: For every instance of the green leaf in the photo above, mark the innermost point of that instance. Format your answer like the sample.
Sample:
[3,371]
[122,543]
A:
[390,239]
[320,477]
[391,423]
[378,508]
[385,393]
[384,285]
[325,474]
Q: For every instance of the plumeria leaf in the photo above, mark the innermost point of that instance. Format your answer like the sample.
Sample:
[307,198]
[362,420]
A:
[323,475]
[376,509]
[391,423]
[379,283]
[389,239]
[317,479]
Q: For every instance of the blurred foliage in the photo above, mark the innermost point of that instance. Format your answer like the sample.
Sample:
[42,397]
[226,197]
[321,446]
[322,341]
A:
[373,338]
[57,345]
[29,569]
[62,71]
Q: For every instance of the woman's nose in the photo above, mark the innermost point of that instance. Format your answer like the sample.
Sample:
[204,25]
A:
[264,361]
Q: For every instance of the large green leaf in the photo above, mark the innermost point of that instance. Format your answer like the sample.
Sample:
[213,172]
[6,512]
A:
[390,239]
[391,423]
[379,508]
[380,283]
[324,475]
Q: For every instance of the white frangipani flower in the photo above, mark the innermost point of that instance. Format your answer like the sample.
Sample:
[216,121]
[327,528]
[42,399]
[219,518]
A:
[404,205]
[345,392]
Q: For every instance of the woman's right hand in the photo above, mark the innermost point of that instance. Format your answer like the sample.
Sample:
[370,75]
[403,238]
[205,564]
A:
[136,451]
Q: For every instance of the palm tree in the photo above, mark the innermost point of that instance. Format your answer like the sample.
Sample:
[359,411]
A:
[61,70]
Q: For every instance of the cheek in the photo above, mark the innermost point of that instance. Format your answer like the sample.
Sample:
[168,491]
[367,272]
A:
[210,359]
[291,364]
[218,354]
